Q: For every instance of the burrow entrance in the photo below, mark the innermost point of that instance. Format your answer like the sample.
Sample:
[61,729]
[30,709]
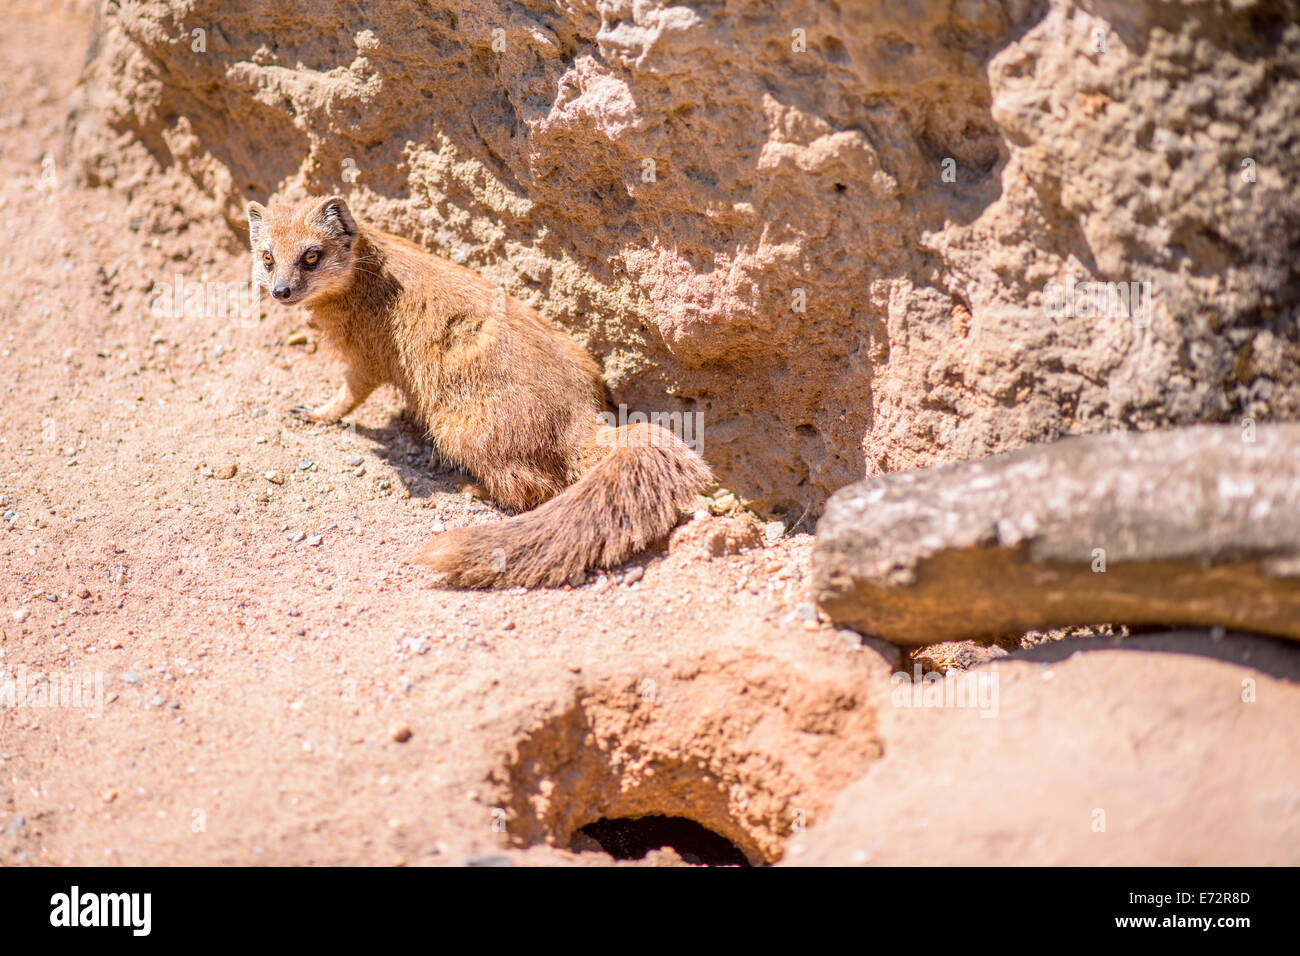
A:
[722,760]
[625,839]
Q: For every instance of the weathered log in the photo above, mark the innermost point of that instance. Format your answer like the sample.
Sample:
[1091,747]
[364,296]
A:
[1196,526]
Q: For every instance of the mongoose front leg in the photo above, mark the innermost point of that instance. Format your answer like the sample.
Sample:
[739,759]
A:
[356,388]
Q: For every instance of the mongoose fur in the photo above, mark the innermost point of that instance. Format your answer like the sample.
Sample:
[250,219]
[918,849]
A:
[503,393]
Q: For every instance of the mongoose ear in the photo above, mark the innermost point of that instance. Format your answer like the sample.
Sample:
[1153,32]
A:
[256,219]
[333,215]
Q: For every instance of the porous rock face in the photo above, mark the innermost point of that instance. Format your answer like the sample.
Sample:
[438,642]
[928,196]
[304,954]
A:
[1196,525]
[829,228]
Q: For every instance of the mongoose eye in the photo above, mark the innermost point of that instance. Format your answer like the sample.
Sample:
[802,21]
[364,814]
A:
[310,258]
[268,259]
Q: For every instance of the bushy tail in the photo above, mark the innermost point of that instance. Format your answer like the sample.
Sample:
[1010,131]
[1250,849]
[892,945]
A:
[631,498]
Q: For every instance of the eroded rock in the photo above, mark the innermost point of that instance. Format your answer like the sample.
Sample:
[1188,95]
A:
[1186,526]
[830,230]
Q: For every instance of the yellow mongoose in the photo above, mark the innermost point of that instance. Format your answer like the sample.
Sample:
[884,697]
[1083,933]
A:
[503,393]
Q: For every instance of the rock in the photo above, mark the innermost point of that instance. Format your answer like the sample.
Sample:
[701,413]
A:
[355,460]
[774,530]
[400,733]
[955,656]
[724,502]
[839,241]
[712,537]
[489,860]
[634,574]
[1123,758]
[314,540]
[297,536]
[226,471]
[21,614]
[891,654]
[1185,526]
[274,477]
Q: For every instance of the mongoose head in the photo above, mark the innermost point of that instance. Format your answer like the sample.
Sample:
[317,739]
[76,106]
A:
[302,251]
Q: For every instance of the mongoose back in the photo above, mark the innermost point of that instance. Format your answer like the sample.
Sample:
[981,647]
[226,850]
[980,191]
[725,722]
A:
[503,393]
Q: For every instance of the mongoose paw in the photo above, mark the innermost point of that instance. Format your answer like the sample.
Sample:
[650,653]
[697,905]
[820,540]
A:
[305,413]
[472,489]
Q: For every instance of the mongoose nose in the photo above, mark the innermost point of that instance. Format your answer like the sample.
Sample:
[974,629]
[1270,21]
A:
[281,292]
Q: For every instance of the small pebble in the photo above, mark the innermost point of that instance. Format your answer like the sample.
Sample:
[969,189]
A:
[21,614]
[416,645]
[297,536]
[355,460]
[774,530]
[274,477]
[634,575]
[226,471]
[401,733]
[314,540]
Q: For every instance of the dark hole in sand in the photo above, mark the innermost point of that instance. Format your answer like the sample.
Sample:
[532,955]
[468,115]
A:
[631,839]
